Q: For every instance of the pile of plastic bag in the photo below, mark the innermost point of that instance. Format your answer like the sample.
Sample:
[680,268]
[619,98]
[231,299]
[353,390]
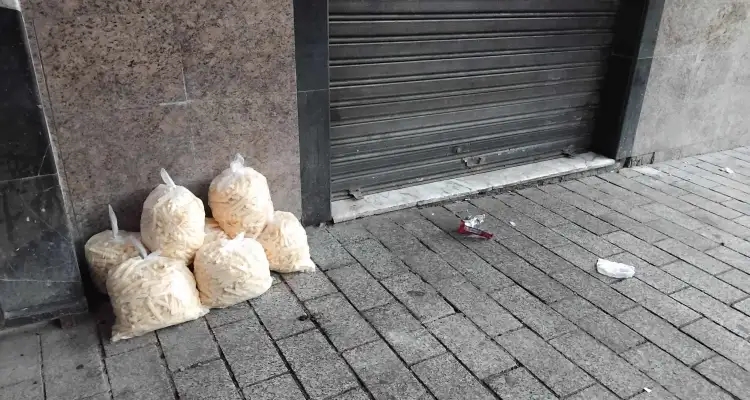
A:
[232,254]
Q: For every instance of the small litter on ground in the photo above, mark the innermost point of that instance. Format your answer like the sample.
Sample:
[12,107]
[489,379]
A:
[614,270]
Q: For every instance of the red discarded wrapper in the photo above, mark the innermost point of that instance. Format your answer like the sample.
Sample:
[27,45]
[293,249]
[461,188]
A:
[470,226]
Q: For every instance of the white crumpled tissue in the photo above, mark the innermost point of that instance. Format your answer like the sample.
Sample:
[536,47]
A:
[614,270]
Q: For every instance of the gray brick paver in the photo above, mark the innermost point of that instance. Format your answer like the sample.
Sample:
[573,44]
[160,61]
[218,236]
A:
[188,344]
[721,223]
[601,363]
[731,257]
[322,372]
[279,388]
[280,312]
[539,256]
[653,276]
[538,316]
[721,341]
[478,307]
[447,379]
[673,375]
[545,362]
[531,209]
[419,297]
[711,206]
[682,234]
[594,290]
[737,279]
[349,232]
[715,310]
[497,216]
[693,256]
[450,247]
[359,287]
[412,342]
[582,259]
[737,205]
[608,330]
[666,336]
[384,375]
[206,381]
[326,251]
[222,316]
[525,274]
[309,285]
[639,248]
[657,302]
[574,199]
[641,230]
[249,351]
[376,259]
[651,193]
[596,392]
[673,215]
[471,346]
[705,282]
[728,375]
[660,186]
[71,362]
[519,384]
[587,240]
[20,358]
[24,390]
[540,233]
[342,324]
[139,374]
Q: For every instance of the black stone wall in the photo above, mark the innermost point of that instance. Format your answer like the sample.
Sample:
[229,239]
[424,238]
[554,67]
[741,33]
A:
[39,275]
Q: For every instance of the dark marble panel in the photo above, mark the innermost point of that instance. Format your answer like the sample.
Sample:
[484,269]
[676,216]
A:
[311,44]
[238,54]
[11,31]
[35,242]
[16,77]
[39,276]
[315,155]
[24,145]
[118,61]
[637,28]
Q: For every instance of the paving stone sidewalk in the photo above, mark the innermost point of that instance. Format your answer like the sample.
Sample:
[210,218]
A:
[404,308]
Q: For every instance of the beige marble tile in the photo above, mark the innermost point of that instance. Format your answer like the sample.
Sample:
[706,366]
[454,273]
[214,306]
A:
[263,128]
[236,54]
[114,157]
[110,61]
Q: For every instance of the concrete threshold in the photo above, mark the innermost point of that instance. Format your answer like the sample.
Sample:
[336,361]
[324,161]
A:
[449,189]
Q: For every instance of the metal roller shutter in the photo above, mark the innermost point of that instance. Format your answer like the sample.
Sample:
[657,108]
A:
[425,90]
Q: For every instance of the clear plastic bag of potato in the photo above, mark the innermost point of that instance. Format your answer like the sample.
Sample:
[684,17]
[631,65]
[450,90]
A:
[173,221]
[240,200]
[213,231]
[151,292]
[106,250]
[285,243]
[228,271]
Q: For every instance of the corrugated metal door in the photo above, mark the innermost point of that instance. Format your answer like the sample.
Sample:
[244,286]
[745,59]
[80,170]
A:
[422,90]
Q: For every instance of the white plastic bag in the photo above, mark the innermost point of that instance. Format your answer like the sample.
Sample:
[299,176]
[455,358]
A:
[106,250]
[614,270]
[285,243]
[151,292]
[240,200]
[228,271]
[213,231]
[173,221]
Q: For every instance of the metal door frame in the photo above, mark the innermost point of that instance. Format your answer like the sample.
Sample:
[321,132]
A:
[628,70]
